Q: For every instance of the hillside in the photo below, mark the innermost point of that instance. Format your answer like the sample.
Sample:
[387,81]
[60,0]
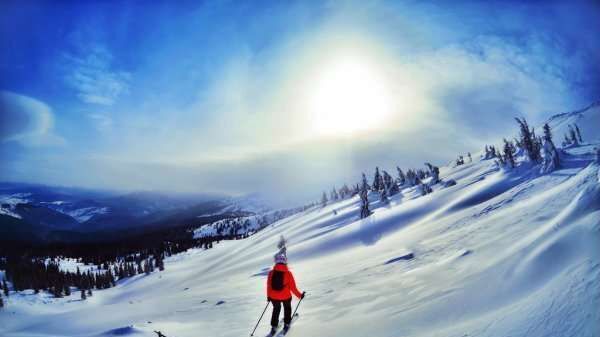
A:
[501,253]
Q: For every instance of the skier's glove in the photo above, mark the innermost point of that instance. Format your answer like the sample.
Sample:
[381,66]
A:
[303,294]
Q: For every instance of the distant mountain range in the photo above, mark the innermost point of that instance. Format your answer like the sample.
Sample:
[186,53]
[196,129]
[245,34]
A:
[31,212]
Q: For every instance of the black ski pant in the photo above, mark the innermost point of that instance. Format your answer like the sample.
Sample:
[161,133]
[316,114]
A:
[287,311]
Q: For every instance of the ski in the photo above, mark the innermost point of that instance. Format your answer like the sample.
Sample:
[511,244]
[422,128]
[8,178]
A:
[284,331]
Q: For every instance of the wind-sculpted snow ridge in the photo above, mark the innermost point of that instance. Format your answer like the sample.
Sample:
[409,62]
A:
[501,253]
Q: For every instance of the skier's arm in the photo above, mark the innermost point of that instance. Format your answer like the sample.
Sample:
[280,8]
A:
[293,288]
[269,284]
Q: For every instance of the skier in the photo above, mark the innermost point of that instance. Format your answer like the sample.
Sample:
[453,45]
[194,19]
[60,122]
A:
[280,286]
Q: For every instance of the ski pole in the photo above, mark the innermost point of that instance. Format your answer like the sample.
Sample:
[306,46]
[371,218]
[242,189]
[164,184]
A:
[297,305]
[261,316]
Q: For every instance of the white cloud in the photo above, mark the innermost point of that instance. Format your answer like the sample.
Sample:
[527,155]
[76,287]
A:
[102,121]
[26,120]
[91,75]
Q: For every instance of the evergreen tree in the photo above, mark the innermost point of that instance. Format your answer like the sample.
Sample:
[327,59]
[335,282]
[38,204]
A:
[324,200]
[364,185]
[57,291]
[377,181]
[364,202]
[401,177]
[390,184]
[550,158]
[493,153]
[507,157]
[528,140]
[383,195]
[356,190]
[547,132]
[334,194]
[411,177]
[5,287]
[578,133]
[573,136]
[434,172]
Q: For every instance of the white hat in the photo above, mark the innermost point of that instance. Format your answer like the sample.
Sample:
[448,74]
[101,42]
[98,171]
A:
[281,257]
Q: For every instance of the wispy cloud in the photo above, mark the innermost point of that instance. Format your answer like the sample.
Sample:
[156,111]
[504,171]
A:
[102,121]
[91,75]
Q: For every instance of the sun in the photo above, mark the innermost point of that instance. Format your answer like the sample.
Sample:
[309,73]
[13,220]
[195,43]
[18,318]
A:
[349,96]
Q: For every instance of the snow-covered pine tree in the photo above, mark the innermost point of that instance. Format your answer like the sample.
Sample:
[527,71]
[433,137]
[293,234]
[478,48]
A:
[411,177]
[401,177]
[324,200]
[364,185]
[550,157]
[508,155]
[578,133]
[573,136]
[493,153]
[547,132]
[364,201]
[377,180]
[383,195]
[390,184]
[434,172]
[529,141]
[345,192]
[336,196]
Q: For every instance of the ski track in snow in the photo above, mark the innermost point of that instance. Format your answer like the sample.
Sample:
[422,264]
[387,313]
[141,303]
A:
[502,253]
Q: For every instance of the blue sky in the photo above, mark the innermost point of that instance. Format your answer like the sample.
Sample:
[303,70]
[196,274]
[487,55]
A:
[210,96]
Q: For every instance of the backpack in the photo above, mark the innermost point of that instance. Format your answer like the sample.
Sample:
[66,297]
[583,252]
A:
[277,280]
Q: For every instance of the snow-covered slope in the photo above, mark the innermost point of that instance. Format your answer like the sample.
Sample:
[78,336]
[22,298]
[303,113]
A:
[587,119]
[501,253]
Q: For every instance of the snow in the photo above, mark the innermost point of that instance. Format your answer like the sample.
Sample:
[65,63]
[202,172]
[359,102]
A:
[9,212]
[71,265]
[8,202]
[86,213]
[501,253]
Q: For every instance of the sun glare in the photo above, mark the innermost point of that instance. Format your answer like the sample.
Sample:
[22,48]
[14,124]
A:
[349,96]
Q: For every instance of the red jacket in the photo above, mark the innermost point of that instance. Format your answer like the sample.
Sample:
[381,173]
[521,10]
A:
[289,284]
